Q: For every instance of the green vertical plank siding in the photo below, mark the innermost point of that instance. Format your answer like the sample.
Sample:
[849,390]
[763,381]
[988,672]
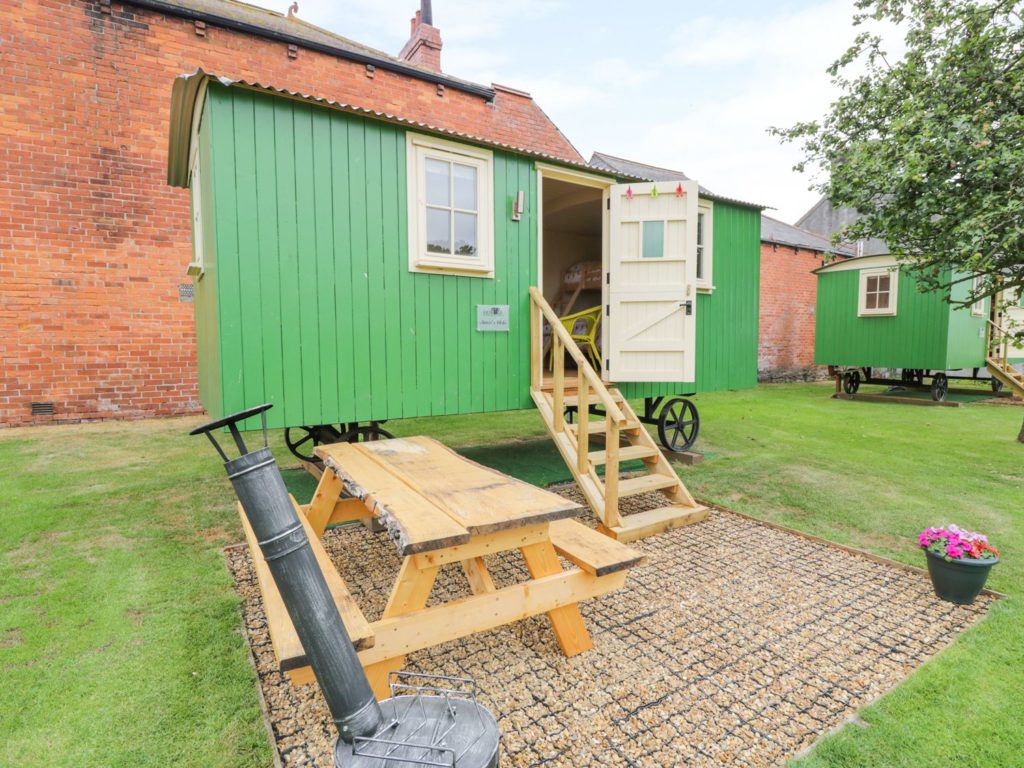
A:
[269,308]
[205,300]
[727,317]
[316,308]
[965,339]
[289,411]
[915,337]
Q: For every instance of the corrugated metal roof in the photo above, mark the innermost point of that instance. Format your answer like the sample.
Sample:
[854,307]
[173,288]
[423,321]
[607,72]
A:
[645,172]
[775,231]
[188,91]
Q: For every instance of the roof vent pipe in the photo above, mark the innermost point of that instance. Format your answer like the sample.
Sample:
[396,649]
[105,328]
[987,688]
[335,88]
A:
[260,488]
[426,14]
[428,720]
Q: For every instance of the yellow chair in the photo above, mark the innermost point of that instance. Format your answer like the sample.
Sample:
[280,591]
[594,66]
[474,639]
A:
[582,327]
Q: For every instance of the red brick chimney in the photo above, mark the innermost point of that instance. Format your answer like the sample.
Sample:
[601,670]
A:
[424,46]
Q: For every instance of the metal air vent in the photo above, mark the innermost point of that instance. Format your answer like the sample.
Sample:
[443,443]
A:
[42,409]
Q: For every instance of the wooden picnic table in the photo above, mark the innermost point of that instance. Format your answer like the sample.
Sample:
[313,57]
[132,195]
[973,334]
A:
[441,508]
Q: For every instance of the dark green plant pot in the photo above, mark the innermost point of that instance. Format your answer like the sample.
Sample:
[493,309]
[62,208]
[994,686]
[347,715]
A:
[958,581]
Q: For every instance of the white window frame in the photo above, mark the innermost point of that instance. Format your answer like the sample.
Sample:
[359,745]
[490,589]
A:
[418,149]
[197,267]
[706,283]
[978,307]
[894,282]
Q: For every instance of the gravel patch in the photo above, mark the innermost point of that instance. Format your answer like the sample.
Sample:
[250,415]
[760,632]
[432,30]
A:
[736,644]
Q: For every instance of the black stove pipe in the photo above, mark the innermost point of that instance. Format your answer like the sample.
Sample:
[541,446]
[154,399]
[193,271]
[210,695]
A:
[282,538]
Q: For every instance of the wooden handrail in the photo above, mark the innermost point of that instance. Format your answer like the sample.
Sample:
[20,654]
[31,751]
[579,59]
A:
[583,366]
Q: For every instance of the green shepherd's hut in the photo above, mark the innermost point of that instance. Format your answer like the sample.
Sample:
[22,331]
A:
[353,267]
[871,317]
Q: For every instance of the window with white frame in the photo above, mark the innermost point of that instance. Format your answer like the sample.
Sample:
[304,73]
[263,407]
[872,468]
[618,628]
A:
[705,212]
[877,295]
[978,307]
[450,207]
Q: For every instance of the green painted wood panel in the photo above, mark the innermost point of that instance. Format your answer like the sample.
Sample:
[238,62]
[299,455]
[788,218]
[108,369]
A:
[317,310]
[205,298]
[726,318]
[914,338]
[965,339]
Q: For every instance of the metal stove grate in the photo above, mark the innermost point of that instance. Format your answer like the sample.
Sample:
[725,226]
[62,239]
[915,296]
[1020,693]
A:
[435,721]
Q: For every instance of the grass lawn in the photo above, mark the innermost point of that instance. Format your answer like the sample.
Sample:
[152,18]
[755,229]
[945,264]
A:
[120,637]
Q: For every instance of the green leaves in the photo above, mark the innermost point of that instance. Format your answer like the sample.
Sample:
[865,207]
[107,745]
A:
[929,149]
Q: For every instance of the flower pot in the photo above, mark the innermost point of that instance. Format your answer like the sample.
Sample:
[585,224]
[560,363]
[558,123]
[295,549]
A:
[958,581]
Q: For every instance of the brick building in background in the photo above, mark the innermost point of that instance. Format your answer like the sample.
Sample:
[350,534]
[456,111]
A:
[94,245]
[789,291]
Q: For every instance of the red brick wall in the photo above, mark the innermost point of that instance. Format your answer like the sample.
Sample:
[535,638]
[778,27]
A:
[786,327]
[93,243]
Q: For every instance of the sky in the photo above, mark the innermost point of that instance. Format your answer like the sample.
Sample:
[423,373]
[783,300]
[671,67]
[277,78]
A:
[682,85]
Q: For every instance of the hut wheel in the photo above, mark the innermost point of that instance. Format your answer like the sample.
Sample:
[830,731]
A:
[302,440]
[940,387]
[851,382]
[365,433]
[570,414]
[997,385]
[678,425]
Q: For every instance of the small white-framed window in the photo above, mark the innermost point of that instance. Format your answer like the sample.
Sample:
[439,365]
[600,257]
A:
[451,207]
[195,269]
[705,246]
[878,288]
[978,307]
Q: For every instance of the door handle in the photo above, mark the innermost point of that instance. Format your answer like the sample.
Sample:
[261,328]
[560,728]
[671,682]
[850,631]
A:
[689,306]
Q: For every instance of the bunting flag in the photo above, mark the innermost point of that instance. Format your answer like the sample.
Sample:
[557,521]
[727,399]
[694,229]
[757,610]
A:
[629,193]
[654,190]
[679,190]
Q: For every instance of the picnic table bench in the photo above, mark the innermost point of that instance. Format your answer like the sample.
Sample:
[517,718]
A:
[441,508]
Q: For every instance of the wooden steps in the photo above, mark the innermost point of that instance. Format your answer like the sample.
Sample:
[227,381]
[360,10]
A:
[625,439]
[653,521]
[588,549]
[998,343]
[601,427]
[626,453]
[646,484]
[592,399]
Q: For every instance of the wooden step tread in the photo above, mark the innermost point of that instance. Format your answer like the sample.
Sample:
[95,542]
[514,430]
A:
[592,399]
[591,550]
[287,647]
[646,483]
[654,521]
[626,453]
[600,426]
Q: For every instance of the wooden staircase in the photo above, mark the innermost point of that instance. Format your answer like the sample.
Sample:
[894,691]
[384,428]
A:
[618,433]
[997,351]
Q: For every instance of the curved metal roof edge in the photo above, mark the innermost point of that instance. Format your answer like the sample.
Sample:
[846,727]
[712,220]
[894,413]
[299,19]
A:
[888,257]
[188,88]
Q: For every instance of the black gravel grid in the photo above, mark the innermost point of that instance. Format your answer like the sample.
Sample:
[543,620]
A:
[736,644]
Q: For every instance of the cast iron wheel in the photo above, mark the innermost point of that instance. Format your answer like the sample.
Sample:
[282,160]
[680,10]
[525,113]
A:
[997,385]
[310,437]
[570,414]
[940,387]
[678,425]
[851,382]
[364,434]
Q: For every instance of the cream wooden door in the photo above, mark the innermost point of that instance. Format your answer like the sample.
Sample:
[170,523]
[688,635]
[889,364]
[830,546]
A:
[651,305]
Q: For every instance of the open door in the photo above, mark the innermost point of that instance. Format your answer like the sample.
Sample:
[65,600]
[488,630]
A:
[651,309]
